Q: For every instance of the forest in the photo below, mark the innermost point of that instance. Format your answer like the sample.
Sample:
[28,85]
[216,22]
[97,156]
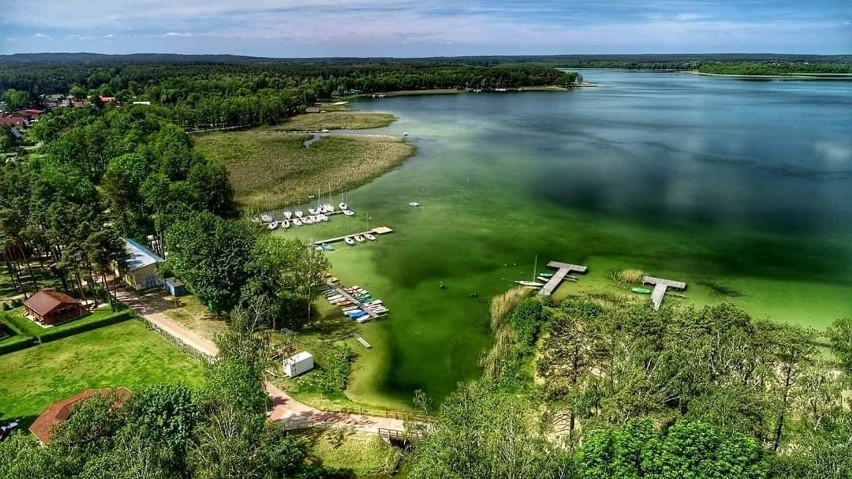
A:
[217,93]
[595,387]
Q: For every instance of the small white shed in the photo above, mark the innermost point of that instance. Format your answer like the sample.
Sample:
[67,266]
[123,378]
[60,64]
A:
[298,364]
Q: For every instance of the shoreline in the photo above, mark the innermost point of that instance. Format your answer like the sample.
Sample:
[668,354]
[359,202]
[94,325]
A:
[453,91]
[791,76]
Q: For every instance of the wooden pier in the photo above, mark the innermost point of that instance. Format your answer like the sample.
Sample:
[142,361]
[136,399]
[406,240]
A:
[361,340]
[563,270]
[379,230]
[357,303]
[660,287]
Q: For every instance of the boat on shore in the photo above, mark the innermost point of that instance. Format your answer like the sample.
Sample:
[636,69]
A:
[266,218]
[327,247]
[288,214]
[299,214]
[359,238]
[272,225]
[640,290]
[297,222]
[349,241]
[348,212]
[285,224]
[530,284]
[369,236]
[343,206]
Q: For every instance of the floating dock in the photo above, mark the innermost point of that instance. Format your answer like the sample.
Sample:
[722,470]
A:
[660,287]
[563,270]
[379,230]
[357,303]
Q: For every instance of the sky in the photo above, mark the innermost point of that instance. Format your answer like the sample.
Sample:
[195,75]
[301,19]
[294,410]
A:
[422,28]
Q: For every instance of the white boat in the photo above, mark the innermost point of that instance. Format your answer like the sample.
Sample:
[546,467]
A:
[272,225]
[327,208]
[359,238]
[343,206]
[369,236]
[265,218]
[348,212]
[285,224]
[530,284]
[413,203]
[299,214]
[313,211]
[349,241]
[288,214]
[297,222]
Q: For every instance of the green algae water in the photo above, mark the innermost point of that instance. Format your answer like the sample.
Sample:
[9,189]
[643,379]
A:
[741,189]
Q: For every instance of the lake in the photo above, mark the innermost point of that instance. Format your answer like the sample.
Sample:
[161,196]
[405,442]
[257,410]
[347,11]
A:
[743,189]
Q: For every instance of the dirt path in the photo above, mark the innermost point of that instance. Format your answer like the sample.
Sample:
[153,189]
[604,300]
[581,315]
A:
[284,408]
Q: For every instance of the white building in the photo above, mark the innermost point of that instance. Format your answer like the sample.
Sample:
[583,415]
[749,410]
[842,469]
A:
[298,364]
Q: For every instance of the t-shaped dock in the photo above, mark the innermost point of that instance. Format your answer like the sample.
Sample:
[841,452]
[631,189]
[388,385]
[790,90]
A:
[660,287]
[564,269]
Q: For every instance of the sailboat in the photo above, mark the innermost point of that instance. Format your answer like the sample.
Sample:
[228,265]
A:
[532,284]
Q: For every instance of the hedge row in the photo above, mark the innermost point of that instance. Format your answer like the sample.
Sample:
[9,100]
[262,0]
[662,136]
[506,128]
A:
[23,341]
[53,335]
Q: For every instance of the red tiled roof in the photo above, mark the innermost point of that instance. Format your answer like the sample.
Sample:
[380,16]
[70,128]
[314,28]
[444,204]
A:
[57,412]
[44,302]
[12,120]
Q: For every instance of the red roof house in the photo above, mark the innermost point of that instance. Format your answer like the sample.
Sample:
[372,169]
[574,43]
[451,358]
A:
[42,427]
[51,307]
[13,120]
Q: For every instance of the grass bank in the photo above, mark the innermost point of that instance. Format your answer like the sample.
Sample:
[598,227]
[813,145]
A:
[270,169]
[356,454]
[125,354]
[336,120]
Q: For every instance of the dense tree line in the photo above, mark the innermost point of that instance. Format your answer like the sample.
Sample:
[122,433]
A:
[102,173]
[229,263]
[210,94]
[603,389]
[773,68]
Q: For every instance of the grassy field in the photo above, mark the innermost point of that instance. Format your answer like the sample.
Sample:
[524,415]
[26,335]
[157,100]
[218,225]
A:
[125,354]
[336,120]
[270,169]
[364,455]
[33,329]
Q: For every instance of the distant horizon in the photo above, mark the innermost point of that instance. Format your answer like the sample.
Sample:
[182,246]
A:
[491,55]
[426,28]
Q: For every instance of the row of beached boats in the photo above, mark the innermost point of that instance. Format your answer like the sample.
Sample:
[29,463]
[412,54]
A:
[356,303]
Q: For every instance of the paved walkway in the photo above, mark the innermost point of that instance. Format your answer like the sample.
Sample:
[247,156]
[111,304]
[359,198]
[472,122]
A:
[284,408]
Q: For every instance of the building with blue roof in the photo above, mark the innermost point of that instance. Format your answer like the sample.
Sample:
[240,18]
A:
[140,266]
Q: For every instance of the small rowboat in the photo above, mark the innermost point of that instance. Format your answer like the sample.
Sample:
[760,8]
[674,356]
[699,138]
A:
[369,236]
[641,290]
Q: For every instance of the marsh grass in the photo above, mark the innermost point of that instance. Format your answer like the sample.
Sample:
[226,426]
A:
[270,169]
[336,120]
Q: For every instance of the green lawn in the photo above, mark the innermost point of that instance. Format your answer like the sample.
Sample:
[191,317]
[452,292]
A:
[125,354]
[364,455]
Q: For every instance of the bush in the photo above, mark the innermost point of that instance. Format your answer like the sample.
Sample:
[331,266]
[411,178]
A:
[6,306]
[333,364]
